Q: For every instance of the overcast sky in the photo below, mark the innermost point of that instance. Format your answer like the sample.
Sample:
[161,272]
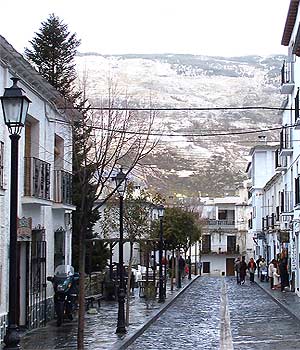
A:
[209,27]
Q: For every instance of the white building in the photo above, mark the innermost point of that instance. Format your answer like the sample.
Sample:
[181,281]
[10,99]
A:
[44,203]
[224,235]
[264,171]
[276,200]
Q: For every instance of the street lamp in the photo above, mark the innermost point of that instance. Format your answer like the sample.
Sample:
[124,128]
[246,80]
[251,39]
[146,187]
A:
[121,187]
[14,106]
[161,211]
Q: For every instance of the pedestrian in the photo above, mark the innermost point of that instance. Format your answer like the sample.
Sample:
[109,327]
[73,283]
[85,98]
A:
[243,269]
[258,265]
[251,268]
[283,269]
[263,270]
[276,277]
[270,272]
[181,265]
[237,265]
[200,267]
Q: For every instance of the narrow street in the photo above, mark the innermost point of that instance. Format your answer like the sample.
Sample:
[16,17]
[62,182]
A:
[216,313]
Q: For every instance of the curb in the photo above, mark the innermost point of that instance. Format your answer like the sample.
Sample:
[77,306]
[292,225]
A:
[280,303]
[128,340]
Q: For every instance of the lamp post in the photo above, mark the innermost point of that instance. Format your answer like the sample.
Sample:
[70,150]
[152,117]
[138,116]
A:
[190,259]
[121,187]
[161,210]
[14,106]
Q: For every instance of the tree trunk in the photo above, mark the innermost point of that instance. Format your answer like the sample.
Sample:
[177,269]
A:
[81,299]
[128,285]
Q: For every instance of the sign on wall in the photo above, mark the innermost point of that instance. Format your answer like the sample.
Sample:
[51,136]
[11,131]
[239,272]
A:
[24,229]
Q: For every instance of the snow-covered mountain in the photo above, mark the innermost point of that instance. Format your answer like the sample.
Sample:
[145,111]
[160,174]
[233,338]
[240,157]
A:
[187,163]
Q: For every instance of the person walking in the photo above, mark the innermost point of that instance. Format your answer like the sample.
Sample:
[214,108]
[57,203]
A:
[252,268]
[181,265]
[283,270]
[243,269]
[263,270]
[258,265]
[276,277]
[237,265]
[270,272]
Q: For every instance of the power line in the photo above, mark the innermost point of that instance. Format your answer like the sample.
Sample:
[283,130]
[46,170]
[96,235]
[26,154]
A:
[181,109]
[187,135]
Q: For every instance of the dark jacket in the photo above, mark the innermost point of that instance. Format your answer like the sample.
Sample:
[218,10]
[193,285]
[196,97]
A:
[243,268]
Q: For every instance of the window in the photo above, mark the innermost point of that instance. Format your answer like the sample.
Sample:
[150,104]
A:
[231,244]
[297,196]
[206,243]
[297,106]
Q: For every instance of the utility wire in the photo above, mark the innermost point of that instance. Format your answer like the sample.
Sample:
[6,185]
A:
[187,135]
[180,109]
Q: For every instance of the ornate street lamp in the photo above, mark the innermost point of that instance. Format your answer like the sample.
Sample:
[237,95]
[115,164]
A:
[161,211]
[121,187]
[14,106]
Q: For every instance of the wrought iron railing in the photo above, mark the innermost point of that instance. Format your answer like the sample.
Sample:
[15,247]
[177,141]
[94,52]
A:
[62,187]
[285,139]
[36,178]
[212,222]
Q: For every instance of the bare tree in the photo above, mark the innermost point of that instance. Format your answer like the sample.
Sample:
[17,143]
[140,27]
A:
[104,140]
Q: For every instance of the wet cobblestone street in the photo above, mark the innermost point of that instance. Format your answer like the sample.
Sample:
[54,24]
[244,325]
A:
[258,322]
[212,313]
[193,321]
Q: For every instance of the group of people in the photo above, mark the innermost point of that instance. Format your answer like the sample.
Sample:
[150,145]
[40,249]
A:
[276,272]
[241,268]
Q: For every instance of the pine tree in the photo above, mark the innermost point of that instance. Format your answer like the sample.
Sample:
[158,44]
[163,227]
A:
[53,51]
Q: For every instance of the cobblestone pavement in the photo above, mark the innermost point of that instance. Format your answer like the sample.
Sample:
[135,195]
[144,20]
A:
[191,323]
[256,321]
[100,328]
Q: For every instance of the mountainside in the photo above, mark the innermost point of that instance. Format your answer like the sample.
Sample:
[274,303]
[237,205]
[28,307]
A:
[189,164]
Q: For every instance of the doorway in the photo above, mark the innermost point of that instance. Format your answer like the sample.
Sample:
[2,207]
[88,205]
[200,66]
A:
[230,267]
[206,267]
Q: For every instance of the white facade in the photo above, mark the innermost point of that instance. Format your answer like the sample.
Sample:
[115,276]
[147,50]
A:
[224,233]
[264,200]
[278,220]
[44,203]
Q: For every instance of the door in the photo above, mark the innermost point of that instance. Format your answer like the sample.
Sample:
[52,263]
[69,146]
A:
[230,267]
[206,267]
[37,289]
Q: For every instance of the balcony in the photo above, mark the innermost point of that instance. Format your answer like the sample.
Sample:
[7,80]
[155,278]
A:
[218,223]
[280,162]
[36,181]
[220,251]
[287,80]
[62,189]
[287,202]
[286,148]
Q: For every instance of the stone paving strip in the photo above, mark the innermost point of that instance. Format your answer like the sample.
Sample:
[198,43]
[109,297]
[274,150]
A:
[225,330]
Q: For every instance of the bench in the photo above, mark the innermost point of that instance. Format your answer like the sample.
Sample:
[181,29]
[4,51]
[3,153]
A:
[91,299]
